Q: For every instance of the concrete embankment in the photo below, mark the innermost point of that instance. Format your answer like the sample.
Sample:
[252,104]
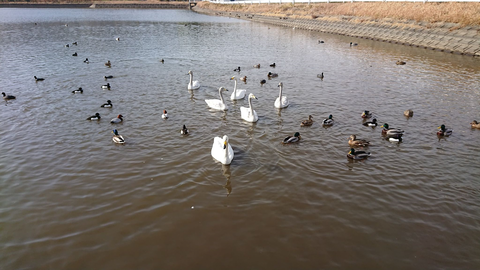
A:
[157,5]
[445,37]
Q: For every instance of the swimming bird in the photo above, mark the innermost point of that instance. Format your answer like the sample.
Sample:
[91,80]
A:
[94,117]
[108,64]
[401,62]
[328,121]
[108,77]
[272,75]
[292,139]
[222,151]
[79,90]
[273,65]
[244,79]
[117,39]
[237,69]
[281,101]
[249,114]
[117,138]
[75,54]
[408,113]
[357,154]
[193,85]
[218,104]
[444,131]
[366,114]
[320,76]
[353,141]
[67,45]
[475,124]
[391,132]
[372,123]
[321,41]
[164,114]
[353,44]
[256,66]
[106,86]
[162,60]
[262,82]
[74,43]
[307,122]
[117,120]
[184,130]
[38,79]
[7,97]
[86,60]
[237,93]
[107,105]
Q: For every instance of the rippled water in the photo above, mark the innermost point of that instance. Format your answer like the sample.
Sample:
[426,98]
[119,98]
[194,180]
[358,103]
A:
[72,199]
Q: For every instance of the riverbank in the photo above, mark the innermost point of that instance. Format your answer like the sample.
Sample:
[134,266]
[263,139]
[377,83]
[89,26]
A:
[442,36]
[100,4]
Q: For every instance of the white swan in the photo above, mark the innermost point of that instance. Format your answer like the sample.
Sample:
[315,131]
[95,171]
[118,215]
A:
[222,151]
[249,114]
[193,85]
[218,104]
[281,101]
[237,93]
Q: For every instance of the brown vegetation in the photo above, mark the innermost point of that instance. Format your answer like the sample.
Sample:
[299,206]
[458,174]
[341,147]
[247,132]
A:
[452,12]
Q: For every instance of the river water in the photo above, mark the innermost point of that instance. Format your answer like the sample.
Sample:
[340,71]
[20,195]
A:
[70,198]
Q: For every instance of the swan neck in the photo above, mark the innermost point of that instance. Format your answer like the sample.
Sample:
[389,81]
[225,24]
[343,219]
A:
[250,103]
[221,95]
[235,88]
[191,78]
[280,96]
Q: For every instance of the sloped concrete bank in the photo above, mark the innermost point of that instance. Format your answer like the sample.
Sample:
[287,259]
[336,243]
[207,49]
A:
[443,37]
[159,5]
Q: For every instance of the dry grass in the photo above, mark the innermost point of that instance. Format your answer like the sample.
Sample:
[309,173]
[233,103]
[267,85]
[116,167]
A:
[462,13]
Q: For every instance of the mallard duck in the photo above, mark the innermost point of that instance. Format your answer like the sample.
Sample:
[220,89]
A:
[164,114]
[117,120]
[372,123]
[391,132]
[401,62]
[353,141]
[117,138]
[107,105]
[237,69]
[75,54]
[79,90]
[218,104]
[272,75]
[108,64]
[328,121]
[108,77]
[357,154]
[192,85]
[408,113]
[249,114]
[320,76]
[308,122]
[7,97]
[222,150]
[94,117]
[475,124]
[292,139]
[106,86]
[281,101]
[237,93]
[444,131]
[366,114]
[262,82]
[256,66]
[184,130]
[38,79]
[273,65]
[86,60]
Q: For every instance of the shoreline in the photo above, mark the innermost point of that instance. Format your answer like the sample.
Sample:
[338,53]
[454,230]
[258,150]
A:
[101,4]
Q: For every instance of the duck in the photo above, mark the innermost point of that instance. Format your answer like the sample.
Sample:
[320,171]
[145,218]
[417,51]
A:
[475,124]
[292,139]
[408,113]
[74,43]
[281,101]
[273,65]
[272,75]
[222,151]
[444,131]
[79,90]
[401,62]
[117,119]
[354,142]
[67,45]
[164,114]
[106,86]
[249,114]
[244,79]
[262,82]
[237,93]
[117,39]
[353,44]
[218,104]
[94,117]
[256,66]
[366,114]
[184,130]
[193,85]
[237,69]
[38,79]
[328,121]
[372,123]
[320,76]
[321,41]
[108,77]
[308,122]
[86,60]
[357,155]
[108,64]
[391,132]
[107,105]
[162,61]
[117,138]
[75,54]
[7,97]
